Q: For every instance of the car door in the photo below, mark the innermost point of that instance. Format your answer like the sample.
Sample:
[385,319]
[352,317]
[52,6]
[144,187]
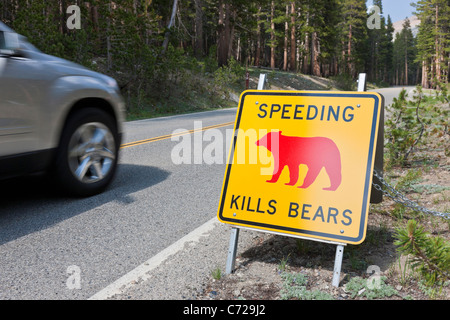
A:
[19,103]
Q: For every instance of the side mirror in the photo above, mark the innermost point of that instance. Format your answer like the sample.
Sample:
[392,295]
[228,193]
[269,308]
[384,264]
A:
[9,43]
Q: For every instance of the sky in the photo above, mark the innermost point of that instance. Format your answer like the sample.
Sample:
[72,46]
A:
[397,9]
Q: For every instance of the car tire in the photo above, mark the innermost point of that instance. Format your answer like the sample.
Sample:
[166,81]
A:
[87,156]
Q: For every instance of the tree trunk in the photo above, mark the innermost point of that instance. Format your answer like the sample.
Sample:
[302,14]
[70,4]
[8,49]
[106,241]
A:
[406,68]
[94,14]
[293,41]
[198,47]
[349,52]
[406,61]
[448,69]
[305,64]
[108,40]
[222,48]
[424,74]
[285,49]
[315,66]
[171,22]
[231,32]
[258,39]
[272,36]
[437,62]
[63,14]
[396,77]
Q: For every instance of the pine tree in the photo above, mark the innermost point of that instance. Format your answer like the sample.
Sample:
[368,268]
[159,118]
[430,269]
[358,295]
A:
[353,36]
[434,41]
[405,54]
[374,41]
[380,55]
[388,54]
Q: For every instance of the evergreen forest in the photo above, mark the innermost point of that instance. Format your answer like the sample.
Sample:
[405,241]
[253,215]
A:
[156,48]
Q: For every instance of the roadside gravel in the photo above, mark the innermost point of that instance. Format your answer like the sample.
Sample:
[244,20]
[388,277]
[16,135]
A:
[184,275]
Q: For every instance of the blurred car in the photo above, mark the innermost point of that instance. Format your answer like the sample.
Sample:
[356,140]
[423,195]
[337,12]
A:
[58,117]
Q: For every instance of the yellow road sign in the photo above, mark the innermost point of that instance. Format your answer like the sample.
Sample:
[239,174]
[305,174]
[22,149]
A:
[301,163]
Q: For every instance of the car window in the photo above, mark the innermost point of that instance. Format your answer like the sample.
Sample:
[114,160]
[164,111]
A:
[2,41]
[25,45]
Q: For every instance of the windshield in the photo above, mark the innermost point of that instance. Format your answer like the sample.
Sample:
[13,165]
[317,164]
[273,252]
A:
[23,42]
[25,45]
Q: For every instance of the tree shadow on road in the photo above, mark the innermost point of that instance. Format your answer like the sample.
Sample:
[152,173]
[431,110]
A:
[32,203]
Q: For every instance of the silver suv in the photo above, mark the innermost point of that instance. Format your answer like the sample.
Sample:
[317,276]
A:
[57,116]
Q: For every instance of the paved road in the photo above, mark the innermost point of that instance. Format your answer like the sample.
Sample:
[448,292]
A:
[53,247]
[393,92]
[45,238]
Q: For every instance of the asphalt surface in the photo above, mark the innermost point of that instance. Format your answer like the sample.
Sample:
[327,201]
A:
[393,92]
[151,235]
[48,240]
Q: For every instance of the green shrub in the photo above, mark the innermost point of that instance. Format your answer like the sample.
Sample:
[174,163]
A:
[428,256]
[294,287]
[358,286]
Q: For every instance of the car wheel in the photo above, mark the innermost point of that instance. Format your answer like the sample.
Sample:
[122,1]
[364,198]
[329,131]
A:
[87,157]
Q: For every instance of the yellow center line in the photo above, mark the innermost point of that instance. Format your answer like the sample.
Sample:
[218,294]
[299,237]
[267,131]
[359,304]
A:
[168,136]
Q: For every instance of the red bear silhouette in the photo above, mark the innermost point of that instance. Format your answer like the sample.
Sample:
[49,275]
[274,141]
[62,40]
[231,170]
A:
[315,152]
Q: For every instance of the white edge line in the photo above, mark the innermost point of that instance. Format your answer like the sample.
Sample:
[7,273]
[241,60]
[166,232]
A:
[141,272]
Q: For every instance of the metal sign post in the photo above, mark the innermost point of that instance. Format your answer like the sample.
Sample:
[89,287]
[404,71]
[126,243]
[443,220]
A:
[234,237]
[340,248]
[231,259]
[337,265]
